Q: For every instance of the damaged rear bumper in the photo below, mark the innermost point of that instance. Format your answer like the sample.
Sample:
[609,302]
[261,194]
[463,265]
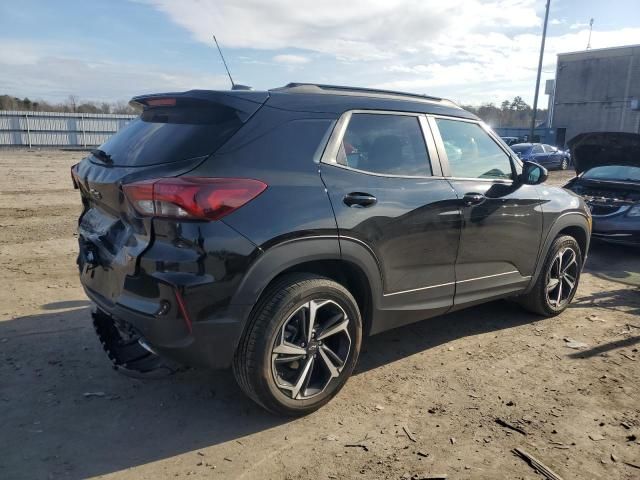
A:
[208,343]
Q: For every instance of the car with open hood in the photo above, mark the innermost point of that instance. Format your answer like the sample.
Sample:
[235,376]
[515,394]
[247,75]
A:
[608,178]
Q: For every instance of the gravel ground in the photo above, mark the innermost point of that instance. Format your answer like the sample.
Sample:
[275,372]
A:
[423,401]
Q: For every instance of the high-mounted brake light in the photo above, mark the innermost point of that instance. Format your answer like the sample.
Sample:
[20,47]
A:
[198,198]
[161,102]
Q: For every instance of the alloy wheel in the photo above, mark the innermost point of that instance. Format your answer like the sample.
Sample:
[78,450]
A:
[311,349]
[562,279]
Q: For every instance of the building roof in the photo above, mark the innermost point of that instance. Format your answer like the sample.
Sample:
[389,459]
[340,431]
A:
[600,51]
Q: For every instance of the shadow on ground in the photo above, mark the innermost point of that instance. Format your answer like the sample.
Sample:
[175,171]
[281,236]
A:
[50,361]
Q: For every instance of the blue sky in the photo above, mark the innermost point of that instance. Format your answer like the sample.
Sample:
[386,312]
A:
[471,51]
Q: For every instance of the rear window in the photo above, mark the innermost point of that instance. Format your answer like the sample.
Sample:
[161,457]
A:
[169,134]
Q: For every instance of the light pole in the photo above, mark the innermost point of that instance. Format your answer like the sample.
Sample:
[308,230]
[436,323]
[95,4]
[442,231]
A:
[535,96]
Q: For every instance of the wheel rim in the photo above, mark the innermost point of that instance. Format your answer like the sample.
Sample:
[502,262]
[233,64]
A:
[564,164]
[562,279]
[311,349]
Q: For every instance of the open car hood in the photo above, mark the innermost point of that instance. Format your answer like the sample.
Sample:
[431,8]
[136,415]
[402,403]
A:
[596,149]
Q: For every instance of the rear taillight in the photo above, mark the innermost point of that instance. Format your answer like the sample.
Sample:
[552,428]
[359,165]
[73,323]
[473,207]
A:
[197,198]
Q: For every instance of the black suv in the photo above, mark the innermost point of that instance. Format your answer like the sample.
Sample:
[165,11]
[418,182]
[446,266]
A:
[272,231]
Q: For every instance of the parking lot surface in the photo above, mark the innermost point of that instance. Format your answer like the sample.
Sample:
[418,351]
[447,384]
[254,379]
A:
[433,397]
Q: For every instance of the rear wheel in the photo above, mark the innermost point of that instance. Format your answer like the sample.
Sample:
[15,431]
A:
[301,345]
[558,281]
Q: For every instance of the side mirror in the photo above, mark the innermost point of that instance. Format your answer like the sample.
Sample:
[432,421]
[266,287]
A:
[533,174]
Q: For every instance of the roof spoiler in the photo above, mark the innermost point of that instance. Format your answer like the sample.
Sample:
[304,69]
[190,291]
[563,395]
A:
[244,102]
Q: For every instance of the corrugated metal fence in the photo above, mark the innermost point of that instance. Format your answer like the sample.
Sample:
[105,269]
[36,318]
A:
[53,129]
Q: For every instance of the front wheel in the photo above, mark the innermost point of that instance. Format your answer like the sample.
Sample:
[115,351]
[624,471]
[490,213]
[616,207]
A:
[300,346]
[558,281]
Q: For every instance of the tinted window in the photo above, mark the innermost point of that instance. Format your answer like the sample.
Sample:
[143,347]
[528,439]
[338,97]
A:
[472,153]
[537,149]
[386,144]
[521,148]
[614,172]
[549,148]
[169,134]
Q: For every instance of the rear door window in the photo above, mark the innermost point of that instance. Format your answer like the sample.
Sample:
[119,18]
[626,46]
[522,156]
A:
[471,152]
[169,134]
[385,144]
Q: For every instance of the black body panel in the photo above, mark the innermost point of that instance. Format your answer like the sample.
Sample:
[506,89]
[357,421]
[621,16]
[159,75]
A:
[413,230]
[499,241]
[417,251]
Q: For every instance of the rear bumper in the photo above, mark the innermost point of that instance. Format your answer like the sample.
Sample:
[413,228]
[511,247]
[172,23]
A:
[208,344]
[177,294]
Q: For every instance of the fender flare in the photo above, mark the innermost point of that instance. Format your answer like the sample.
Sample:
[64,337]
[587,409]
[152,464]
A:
[568,219]
[289,253]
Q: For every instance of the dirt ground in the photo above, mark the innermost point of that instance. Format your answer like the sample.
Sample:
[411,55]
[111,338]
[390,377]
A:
[423,401]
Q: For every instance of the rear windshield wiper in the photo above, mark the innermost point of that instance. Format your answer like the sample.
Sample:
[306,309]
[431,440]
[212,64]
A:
[102,155]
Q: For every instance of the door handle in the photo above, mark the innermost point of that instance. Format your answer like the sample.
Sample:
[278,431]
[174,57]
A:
[359,200]
[473,199]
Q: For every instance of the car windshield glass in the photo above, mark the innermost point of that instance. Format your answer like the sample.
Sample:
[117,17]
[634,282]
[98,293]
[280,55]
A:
[619,173]
[520,148]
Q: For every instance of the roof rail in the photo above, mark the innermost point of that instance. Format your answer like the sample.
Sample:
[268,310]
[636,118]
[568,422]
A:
[360,90]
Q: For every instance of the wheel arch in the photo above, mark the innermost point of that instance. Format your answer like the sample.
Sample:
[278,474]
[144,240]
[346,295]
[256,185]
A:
[354,267]
[575,224]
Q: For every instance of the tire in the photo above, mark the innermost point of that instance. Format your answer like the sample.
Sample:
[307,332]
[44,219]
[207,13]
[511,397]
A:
[543,297]
[565,164]
[276,333]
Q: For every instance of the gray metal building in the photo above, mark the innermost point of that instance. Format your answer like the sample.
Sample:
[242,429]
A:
[597,90]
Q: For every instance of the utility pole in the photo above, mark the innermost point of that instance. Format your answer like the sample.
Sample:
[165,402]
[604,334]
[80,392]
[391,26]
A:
[535,97]
[590,30]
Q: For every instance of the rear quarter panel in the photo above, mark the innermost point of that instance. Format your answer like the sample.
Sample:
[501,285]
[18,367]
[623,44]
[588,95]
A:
[278,148]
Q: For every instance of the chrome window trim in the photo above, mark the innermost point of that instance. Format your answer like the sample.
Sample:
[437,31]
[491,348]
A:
[329,157]
[496,139]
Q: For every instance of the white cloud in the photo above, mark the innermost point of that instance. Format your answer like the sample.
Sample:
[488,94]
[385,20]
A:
[577,25]
[498,68]
[35,72]
[291,59]
[467,50]
[358,29]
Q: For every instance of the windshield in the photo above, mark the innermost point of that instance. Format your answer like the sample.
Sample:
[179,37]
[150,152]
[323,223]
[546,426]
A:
[619,173]
[521,148]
